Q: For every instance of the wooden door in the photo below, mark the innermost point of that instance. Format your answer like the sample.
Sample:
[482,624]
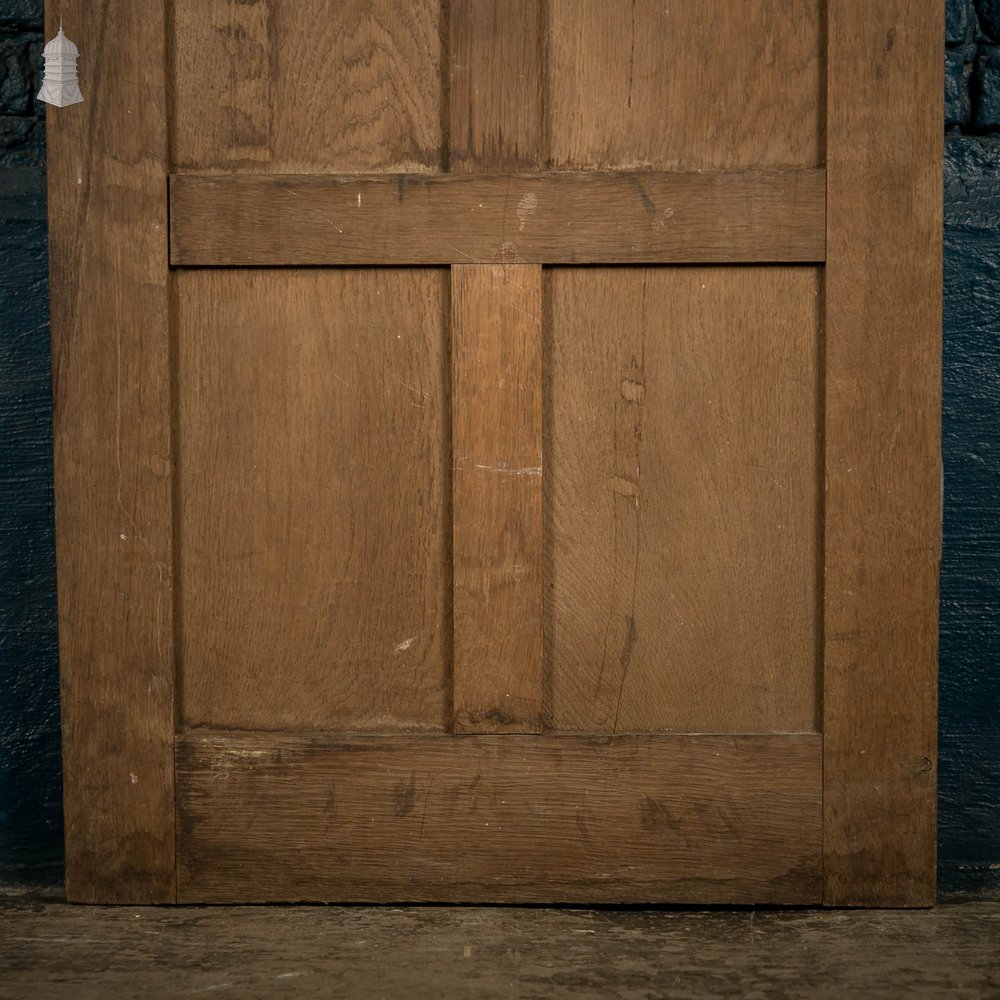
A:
[497,449]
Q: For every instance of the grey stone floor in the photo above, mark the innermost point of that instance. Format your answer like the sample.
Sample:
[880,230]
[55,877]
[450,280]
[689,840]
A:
[54,950]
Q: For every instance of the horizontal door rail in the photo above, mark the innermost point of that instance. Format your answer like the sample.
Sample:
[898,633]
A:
[543,218]
[509,818]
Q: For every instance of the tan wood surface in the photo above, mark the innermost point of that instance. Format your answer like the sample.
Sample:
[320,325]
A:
[278,86]
[307,86]
[703,819]
[735,530]
[883,468]
[496,112]
[112,428]
[313,541]
[685,84]
[552,218]
[497,497]
[496,124]
[682,499]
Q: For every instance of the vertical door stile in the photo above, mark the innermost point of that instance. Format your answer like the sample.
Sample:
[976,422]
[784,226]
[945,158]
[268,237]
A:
[113,455]
[882,451]
[495,125]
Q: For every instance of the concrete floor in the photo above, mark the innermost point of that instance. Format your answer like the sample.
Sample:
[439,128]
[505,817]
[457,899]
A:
[53,950]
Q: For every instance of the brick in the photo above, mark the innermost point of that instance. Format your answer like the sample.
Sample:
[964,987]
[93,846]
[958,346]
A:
[989,17]
[15,97]
[22,142]
[21,14]
[956,89]
[956,21]
[986,87]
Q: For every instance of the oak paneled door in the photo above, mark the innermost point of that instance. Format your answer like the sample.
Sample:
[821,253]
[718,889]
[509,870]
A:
[497,449]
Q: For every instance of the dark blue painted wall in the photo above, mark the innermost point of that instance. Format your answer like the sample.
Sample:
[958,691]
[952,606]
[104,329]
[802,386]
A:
[30,813]
[30,822]
[969,784]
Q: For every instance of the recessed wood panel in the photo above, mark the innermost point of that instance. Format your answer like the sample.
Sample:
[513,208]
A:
[706,819]
[312,495]
[685,84]
[496,111]
[307,85]
[682,485]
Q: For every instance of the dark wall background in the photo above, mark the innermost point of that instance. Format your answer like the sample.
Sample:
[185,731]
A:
[30,811]
[969,759]
[969,831]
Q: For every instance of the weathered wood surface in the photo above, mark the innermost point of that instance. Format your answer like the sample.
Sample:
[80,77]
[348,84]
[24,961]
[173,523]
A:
[59,952]
[883,468]
[707,819]
[549,218]
[682,499]
[497,497]
[311,496]
[496,123]
[113,457]
[685,84]
[307,85]
[496,112]
[313,534]
[361,85]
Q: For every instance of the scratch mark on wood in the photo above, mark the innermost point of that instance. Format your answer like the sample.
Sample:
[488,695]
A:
[647,202]
[624,662]
[531,470]
[631,59]
[413,388]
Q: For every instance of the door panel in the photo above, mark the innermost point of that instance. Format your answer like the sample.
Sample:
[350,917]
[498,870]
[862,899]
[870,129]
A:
[703,819]
[643,84]
[504,580]
[307,86]
[312,469]
[682,499]
[643,95]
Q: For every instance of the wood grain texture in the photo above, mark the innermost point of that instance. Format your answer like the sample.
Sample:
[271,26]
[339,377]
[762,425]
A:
[459,952]
[495,124]
[313,536]
[111,411]
[883,469]
[553,218]
[279,86]
[682,467]
[495,95]
[685,85]
[733,819]
[497,497]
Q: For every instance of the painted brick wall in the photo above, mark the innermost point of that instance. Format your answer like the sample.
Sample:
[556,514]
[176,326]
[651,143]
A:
[30,811]
[969,857]
[969,784]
